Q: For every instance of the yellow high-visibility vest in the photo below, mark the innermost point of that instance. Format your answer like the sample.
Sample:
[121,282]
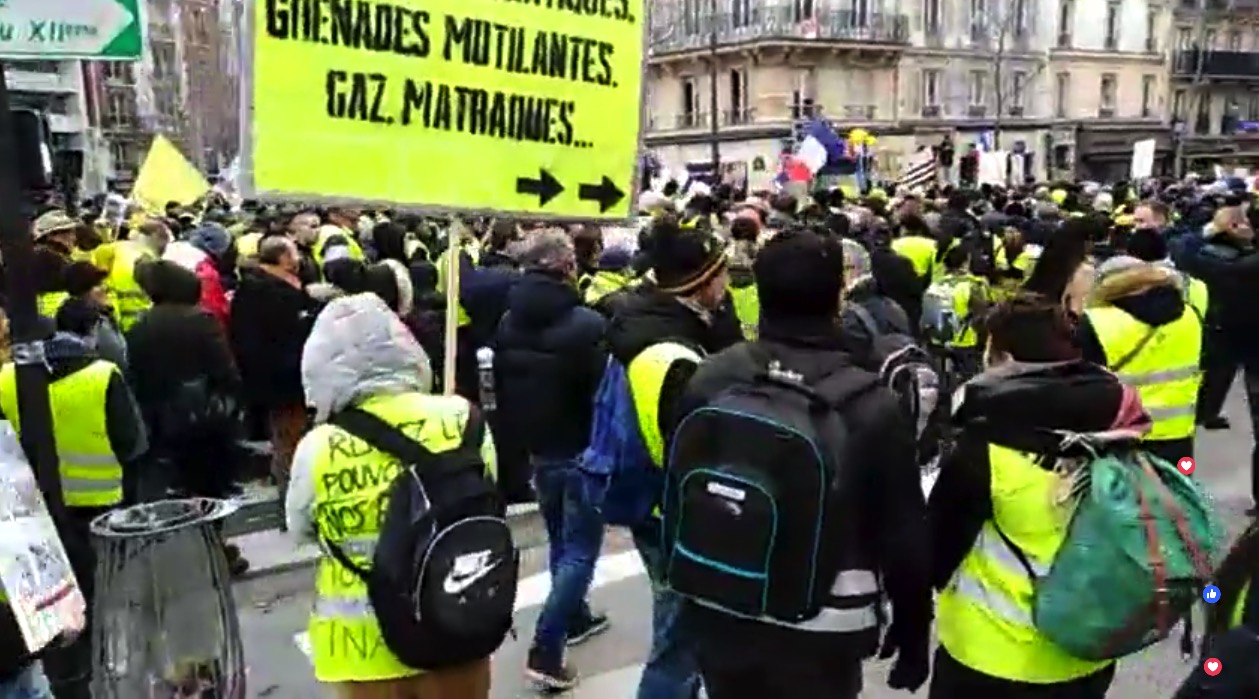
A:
[1164,371]
[984,616]
[646,374]
[49,303]
[601,283]
[126,296]
[352,482]
[959,288]
[247,246]
[326,233]
[919,250]
[747,307]
[91,475]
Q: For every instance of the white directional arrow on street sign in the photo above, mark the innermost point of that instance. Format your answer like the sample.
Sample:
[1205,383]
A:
[96,29]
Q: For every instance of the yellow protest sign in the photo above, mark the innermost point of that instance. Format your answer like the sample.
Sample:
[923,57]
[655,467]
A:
[166,176]
[522,106]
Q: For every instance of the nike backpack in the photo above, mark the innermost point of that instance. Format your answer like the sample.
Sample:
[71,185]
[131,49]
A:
[754,482]
[443,577]
[1142,541]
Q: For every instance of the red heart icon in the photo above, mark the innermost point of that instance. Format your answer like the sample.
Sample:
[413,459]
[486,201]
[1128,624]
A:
[1185,465]
[1212,667]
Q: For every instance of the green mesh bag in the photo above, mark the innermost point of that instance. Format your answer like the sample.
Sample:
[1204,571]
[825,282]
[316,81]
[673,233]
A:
[1140,546]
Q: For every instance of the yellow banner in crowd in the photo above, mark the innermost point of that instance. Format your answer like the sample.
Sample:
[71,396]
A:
[508,106]
[167,176]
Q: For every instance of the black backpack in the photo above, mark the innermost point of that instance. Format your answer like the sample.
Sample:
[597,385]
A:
[443,577]
[905,367]
[754,482]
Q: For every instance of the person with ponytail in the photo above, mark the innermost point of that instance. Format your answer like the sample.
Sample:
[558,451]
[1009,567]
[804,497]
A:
[1232,635]
[994,492]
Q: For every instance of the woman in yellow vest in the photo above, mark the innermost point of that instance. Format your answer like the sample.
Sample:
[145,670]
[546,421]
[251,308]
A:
[360,355]
[1139,326]
[993,495]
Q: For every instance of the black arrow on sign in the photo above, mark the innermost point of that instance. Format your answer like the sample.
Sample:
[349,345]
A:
[545,188]
[606,193]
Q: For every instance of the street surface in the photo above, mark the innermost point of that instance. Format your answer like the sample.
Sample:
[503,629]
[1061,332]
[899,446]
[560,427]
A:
[273,610]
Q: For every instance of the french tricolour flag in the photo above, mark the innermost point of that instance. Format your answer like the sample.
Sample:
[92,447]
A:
[820,145]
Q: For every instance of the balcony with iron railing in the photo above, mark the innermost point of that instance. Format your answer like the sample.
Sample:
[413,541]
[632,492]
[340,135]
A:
[673,30]
[738,117]
[1215,6]
[1219,65]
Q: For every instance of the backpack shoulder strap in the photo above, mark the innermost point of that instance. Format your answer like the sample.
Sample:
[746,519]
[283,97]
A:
[866,319]
[389,439]
[381,435]
[842,387]
[1132,354]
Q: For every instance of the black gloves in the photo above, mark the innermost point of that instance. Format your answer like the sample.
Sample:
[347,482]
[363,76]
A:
[912,665]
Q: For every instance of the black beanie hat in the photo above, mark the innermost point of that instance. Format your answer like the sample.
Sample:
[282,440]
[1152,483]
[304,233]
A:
[800,274]
[684,259]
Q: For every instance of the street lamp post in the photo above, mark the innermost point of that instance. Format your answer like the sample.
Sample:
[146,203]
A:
[714,117]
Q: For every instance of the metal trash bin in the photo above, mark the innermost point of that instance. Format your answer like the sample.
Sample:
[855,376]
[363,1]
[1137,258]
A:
[165,624]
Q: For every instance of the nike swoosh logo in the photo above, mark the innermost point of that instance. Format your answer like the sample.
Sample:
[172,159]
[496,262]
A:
[454,584]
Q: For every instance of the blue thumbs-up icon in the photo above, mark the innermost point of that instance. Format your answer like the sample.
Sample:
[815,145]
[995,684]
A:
[1211,594]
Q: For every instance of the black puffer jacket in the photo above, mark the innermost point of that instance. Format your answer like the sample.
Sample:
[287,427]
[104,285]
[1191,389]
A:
[548,362]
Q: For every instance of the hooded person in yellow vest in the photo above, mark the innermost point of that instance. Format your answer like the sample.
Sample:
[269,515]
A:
[1139,326]
[994,494]
[359,354]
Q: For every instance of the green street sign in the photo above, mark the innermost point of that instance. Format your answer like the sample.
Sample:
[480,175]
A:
[106,30]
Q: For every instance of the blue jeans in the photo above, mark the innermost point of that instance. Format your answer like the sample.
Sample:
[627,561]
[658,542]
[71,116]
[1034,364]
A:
[671,670]
[574,529]
[31,683]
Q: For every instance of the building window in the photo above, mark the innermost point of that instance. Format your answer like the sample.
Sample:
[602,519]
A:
[1151,31]
[1253,108]
[978,19]
[1202,123]
[1234,41]
[931,16]
[1178,105]
[738,96]
[1184,39]
[740,13]
[931,81]
[1106,99]
[690,17]
[1112,25]
[1019,16]
[1147,95]
[690,103]
[1018,90]
[118,70]
[976,92]
[1062,94]
[802,10]
[1066,18]
[1208,40]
